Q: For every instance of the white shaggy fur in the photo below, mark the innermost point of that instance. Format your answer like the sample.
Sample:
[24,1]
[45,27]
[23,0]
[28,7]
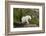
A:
[25,19]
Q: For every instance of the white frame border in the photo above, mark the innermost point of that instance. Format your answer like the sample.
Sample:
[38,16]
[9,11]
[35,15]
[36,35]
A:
[29,28]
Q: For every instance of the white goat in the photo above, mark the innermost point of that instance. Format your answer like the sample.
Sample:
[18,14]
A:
[25,19]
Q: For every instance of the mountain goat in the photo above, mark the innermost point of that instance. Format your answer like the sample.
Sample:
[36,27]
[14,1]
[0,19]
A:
[25,19]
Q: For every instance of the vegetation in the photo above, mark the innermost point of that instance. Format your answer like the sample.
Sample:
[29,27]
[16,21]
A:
[19,12]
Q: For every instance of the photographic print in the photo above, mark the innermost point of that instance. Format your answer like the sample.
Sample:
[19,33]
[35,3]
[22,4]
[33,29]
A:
[25,17]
